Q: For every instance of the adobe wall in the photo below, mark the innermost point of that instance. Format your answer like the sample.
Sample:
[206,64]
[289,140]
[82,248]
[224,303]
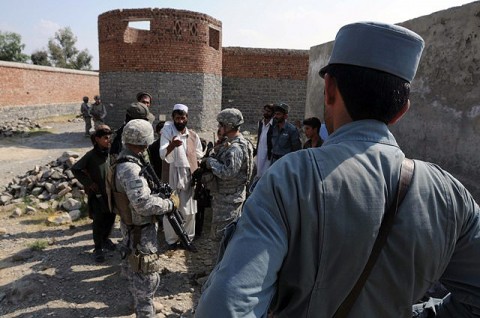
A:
[443,123]
[253,77]
[40,91]
[178,60]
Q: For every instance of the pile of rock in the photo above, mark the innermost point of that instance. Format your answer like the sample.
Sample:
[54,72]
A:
[20,126]
[52,186]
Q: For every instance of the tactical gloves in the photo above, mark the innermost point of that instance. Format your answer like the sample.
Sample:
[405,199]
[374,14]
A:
[175,199]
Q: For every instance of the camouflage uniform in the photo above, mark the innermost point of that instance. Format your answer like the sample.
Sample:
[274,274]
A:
[98,112]
[141,237]
[87,118]
[232,168]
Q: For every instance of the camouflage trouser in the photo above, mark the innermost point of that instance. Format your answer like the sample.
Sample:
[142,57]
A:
[97,122]
[225,209]
[88,124]
[144,287]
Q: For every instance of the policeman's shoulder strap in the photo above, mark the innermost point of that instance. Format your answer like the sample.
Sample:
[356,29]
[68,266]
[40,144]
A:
[406,174]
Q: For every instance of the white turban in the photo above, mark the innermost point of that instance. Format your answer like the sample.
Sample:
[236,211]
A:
[180,107]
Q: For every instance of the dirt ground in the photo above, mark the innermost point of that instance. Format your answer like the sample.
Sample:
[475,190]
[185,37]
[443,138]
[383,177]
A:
[20,154]
[48,271]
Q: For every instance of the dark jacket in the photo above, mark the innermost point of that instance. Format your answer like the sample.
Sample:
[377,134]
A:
[92,168]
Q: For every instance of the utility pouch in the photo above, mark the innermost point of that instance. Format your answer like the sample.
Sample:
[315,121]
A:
[145,264]
[150,264]
[135,261]
[210,182]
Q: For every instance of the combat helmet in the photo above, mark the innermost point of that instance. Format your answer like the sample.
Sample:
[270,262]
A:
[138,132]
[231,117]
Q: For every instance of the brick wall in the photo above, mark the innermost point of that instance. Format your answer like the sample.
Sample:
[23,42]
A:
[265,63]
[200,92]
[253,77]
[178,59]
[23,85]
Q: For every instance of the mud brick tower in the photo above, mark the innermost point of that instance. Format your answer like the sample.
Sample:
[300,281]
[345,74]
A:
[176,56]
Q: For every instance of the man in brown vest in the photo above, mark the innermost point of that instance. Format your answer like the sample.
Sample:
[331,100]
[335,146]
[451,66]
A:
[181,148]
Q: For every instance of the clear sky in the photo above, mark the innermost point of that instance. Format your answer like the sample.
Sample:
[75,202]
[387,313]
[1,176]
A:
[289,24]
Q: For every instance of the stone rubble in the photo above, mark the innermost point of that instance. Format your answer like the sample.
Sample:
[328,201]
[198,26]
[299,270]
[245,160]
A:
[50,187]
[21,126]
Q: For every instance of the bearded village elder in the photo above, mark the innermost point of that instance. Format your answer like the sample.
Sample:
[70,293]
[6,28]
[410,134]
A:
[181,149]
[231,169]
[143,206]
[309,227]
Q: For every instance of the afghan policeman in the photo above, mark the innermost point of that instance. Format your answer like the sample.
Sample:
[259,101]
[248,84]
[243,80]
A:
[304,244]
[285,137]
[231,167]
[141,235]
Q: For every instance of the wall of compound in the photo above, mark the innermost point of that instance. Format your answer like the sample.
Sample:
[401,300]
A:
[177,58]
[443,123]
[39,91]
[253,77]
[167,89]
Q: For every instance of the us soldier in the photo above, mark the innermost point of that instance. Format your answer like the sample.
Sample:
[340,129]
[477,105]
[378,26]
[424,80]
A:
[231,167]
[98,111]
[141,237]
[87,118]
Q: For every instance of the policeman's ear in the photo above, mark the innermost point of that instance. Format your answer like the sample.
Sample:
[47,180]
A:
[400,113]
[330,89]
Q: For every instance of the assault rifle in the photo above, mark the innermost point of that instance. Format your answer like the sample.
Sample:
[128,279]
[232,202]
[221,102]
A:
[174,217]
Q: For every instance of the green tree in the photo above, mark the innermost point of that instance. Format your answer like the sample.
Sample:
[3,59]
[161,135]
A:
[40,57]
[63,52]
[11,47]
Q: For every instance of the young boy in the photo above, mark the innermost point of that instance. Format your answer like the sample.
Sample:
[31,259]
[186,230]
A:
[312,132]
[90,170]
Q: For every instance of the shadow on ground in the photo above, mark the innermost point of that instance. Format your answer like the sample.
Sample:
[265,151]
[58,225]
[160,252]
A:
[47,140]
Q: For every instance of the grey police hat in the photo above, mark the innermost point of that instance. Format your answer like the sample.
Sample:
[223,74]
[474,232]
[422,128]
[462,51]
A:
[138,111]
[384,47]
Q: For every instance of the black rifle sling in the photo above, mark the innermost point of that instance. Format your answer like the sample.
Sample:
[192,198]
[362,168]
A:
[406,173]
